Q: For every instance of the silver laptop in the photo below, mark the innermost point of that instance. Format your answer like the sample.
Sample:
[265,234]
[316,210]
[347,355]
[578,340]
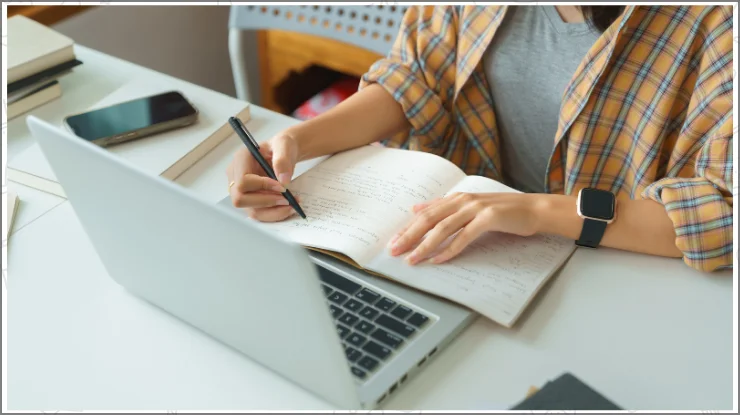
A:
[349,337]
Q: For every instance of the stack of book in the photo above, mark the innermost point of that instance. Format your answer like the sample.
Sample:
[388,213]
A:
[166,154]
[37,57]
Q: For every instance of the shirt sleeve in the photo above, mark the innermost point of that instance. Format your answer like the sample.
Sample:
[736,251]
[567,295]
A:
[700,207]
[414,72]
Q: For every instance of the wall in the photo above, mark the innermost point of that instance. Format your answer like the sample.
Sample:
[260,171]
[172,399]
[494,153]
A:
[189,42]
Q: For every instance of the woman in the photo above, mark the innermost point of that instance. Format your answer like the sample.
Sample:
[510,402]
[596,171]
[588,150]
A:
[552,100]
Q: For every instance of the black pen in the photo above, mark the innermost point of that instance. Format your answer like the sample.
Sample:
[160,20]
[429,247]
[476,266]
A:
[254,148]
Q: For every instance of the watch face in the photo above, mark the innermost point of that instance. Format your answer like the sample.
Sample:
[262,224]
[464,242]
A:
[597,204]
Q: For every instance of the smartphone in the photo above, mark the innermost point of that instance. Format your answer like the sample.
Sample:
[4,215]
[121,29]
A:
[133,119]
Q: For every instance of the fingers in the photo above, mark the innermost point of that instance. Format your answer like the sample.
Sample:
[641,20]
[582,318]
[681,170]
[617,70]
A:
[255,183]
[470,233]
[284,158]
[421,206]
[415,209]
[251,190]
[252,165]
[272,214]
[439,234]
[421,224]
[243,163]
[259,200]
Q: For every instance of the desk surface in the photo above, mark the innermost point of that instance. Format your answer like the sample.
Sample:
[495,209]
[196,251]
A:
[649,333]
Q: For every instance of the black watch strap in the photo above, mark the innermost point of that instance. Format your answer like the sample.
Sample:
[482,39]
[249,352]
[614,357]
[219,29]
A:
[592,232]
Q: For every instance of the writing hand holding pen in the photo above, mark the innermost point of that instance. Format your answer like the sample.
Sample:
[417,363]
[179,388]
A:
[257,184]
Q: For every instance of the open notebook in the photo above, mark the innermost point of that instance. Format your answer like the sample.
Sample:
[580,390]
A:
[357,200]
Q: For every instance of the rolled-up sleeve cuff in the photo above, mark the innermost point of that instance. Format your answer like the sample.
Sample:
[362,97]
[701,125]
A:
[702,219]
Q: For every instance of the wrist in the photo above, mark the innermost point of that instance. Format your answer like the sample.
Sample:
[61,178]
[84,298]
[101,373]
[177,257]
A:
[313,138]
[300,139]
[540,205]
[556,215]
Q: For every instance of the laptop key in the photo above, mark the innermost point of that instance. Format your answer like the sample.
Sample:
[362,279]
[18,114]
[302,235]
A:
[394,325]
[352,354]
[385,304]
[381,352]
[335,311]
[401,312]
[417,319]
[338,281]
[349,319]
[387,338]
[353,305]
[369,313]
[368,296]
[338,297]
[364,327]
[367,363]
[356,339]
[327,289]
[343,331]
[359,373]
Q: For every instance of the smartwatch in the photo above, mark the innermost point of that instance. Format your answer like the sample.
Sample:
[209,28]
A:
[598,208]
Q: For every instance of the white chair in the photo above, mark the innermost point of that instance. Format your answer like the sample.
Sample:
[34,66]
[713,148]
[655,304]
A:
[370,27]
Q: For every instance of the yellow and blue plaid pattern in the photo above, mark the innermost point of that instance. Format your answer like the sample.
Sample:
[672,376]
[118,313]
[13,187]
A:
[648,113]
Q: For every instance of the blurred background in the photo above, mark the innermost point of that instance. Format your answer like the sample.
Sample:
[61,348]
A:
[297,73]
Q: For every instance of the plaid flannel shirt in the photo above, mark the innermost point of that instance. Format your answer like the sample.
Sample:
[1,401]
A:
[647,114]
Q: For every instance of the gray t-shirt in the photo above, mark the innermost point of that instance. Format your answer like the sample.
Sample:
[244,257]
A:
[528,65]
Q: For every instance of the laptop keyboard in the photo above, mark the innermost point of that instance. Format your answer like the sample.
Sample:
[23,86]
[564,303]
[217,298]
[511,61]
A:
[372,327]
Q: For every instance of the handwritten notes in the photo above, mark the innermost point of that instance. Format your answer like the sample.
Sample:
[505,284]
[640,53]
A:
[496,276]
[356,200]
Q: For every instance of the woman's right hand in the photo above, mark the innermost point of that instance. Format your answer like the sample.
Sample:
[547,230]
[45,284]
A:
[250,187]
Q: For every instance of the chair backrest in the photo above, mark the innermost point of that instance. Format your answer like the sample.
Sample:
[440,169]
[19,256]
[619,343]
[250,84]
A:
[371,27]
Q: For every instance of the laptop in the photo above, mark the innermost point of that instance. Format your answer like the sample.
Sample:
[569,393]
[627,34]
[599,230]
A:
[348,337]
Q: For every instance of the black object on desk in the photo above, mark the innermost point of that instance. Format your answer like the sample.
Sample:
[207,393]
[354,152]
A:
[254,148]
[47,75]
[566,393]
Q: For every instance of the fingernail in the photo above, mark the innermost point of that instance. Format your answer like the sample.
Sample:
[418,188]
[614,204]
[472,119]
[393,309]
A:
[396,248]
[284,178]
[437,259]
[277,188]
[411,259]
[281,202]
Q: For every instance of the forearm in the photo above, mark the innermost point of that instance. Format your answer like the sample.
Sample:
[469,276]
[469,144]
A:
[368,116]
[640,225]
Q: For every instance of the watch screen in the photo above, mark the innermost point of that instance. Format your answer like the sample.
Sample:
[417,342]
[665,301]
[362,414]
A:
[597,204]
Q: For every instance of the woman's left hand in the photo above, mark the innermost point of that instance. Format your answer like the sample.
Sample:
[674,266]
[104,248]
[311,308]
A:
[471,214]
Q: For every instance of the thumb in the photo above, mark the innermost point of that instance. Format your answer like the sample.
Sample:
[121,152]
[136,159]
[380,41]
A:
[283,160]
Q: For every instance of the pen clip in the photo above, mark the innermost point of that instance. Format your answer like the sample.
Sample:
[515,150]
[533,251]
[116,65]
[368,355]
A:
[247,133]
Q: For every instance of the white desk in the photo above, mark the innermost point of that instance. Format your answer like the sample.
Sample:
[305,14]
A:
[649,333]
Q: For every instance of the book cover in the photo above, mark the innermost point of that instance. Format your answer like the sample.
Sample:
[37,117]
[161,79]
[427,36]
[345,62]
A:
[33,47]
[34,99]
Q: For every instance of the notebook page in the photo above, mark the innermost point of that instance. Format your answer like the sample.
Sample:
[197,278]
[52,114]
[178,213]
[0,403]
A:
[357,199]
[497,275]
